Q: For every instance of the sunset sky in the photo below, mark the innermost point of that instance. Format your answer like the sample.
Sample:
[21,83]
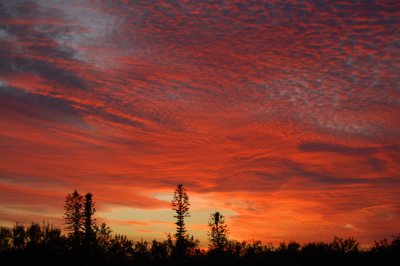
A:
[282,115]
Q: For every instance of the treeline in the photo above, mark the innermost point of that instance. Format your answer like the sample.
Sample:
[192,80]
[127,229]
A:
[84,242]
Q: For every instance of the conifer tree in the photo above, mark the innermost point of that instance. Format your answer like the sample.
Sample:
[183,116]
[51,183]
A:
[89,222]
[218,234]
[180,204]
[74,216]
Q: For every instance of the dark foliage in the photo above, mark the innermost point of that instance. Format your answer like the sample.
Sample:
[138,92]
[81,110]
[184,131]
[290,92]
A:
[89,222]
[45,244]
[74,217]
[218,233]
[180,204]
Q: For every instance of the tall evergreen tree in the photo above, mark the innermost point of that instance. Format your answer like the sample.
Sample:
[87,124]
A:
[74,216]
[89,222]
[218,234]
[180,204]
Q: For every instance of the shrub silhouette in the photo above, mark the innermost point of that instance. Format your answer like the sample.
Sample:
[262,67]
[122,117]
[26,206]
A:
[45,244]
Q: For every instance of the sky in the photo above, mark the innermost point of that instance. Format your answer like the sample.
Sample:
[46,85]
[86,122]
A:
[282,115]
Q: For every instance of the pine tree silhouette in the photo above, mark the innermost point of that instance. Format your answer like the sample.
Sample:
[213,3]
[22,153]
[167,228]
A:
[180,204]
[218,234]
[89,222]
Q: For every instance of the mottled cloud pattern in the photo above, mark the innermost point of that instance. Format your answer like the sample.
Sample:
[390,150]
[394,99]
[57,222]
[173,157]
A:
[283,115]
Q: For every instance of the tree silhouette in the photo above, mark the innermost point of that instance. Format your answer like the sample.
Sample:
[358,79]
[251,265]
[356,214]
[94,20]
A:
[344,245]
[395,245]
[89,222]
[180,204]
[74,216]
[37,244]
[291,247]
[218,234]
[103,235]
[35,235]
[18,236]
[5,239]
